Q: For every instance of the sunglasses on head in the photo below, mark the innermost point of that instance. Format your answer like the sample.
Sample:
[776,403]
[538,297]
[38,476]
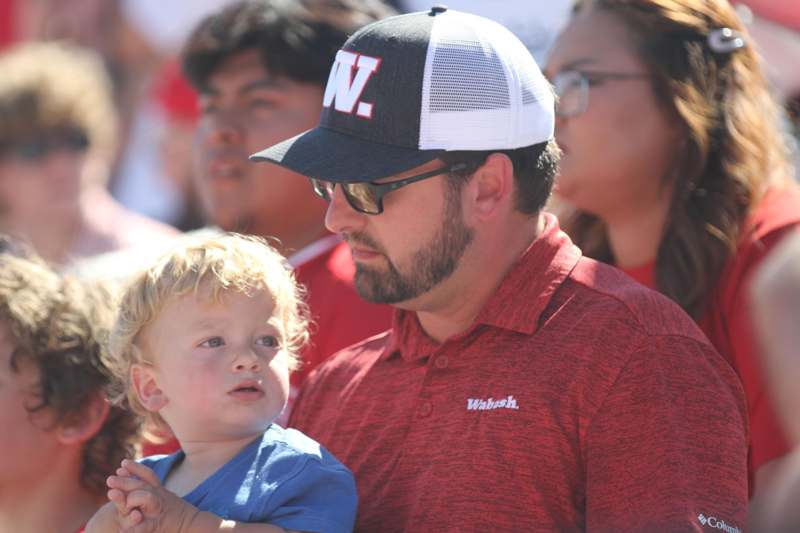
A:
[36,147]
[367,196]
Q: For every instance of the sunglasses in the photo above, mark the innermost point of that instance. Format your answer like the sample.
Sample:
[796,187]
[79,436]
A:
[367,196]
[40,146]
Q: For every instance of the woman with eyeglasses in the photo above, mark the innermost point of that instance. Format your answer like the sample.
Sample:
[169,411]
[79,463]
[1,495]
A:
[675,169]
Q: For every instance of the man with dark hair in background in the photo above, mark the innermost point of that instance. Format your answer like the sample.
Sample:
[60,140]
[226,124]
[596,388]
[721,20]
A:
[261,67]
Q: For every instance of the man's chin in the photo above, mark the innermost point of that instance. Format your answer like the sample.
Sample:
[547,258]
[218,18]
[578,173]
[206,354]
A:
[374,286]
[366,282]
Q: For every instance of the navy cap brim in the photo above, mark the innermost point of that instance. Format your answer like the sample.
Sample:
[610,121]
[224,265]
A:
[329,155]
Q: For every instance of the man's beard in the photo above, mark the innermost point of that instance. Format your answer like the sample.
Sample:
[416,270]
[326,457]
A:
[430,265]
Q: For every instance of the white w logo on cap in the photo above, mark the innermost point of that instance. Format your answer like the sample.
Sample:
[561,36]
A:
[345,88]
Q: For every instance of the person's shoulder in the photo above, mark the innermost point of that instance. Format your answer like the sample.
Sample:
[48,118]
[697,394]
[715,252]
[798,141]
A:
[309,489]
[638,331]
[611,297]
[161,464]
[291,451]
[291,443]
[778,209]
[775,215]
[353,358]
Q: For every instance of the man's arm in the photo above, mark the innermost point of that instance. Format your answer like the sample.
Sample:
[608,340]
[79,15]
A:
[667,450]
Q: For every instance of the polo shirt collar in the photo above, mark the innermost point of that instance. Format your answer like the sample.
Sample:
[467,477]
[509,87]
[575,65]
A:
[528,287]
[408,339]
[537,274]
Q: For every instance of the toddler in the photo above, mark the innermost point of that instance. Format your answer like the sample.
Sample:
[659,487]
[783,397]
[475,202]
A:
[203,344]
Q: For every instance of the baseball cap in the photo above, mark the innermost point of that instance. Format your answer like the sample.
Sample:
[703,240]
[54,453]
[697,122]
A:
[404,89]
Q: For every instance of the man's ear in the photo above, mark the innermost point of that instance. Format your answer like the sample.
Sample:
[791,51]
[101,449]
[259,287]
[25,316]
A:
[144,382]
[87,423]
[492,186]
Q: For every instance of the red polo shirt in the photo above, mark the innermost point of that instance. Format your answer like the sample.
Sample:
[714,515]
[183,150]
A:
[578,400]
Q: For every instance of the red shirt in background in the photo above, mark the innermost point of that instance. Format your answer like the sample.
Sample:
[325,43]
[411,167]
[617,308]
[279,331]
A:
[8,19]
[727,321]
[577,400]
[784,12]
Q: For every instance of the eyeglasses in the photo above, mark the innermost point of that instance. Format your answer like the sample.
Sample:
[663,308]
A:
[36,147]
[572,88]
[366,196]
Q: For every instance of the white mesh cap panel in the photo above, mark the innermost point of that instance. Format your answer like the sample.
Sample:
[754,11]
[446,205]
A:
[482,90]
[457,85]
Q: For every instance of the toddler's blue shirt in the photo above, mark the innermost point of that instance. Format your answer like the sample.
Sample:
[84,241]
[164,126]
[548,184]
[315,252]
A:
[283,478]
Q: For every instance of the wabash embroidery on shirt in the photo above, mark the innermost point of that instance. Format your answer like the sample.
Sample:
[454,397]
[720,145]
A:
[477,404]
[343,89]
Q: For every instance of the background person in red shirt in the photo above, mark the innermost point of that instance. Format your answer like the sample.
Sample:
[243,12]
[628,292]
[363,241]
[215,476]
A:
[676,168]
[260,67]
[61,440]
[522,386]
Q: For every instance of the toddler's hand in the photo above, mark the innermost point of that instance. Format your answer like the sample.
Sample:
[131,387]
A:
[143,505]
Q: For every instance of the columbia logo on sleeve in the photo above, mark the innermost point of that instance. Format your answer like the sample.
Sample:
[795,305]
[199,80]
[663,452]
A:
[714,522]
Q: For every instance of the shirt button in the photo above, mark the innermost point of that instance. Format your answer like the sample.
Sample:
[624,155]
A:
[425,409]
[442,362]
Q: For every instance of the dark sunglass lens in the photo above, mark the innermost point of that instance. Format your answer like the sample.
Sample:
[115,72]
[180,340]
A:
[362,197]
[321,189]
[74,140]
[41,145]
[31,149]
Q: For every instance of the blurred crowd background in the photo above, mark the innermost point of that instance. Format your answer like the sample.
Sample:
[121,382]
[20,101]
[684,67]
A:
[147,161]
[108,175]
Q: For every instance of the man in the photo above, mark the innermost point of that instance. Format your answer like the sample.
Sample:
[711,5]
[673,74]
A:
[522,387]
[260,67]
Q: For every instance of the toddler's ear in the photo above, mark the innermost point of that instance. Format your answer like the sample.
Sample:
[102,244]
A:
[146,387]
[85,425]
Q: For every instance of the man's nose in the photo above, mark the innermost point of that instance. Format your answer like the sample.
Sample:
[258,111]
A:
[341,217]
[224,128]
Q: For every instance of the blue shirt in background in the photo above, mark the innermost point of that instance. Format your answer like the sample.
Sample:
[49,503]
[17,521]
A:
[283,478]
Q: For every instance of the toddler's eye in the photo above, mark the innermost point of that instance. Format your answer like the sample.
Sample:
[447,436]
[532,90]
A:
[213,342]
[270,341]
